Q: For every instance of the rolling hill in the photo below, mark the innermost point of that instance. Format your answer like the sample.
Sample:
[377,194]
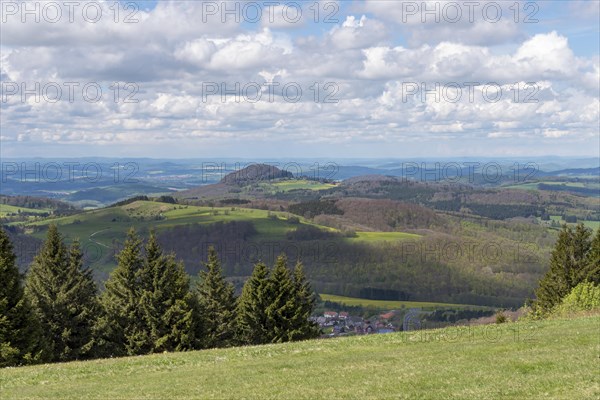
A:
[448,243]
[420,265]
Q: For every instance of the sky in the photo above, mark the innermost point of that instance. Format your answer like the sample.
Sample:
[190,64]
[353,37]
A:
[253,79]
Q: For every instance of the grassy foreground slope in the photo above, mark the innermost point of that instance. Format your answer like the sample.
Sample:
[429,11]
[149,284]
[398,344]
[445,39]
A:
[557,359]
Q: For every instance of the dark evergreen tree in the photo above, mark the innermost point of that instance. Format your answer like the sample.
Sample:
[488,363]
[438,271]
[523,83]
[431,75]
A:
[302,327]
[216,304]
[19,327]
[591,272]
[283,307]
[568,264]
[253,324]
[122,326]
[166,302]
[63,295]
[582,243]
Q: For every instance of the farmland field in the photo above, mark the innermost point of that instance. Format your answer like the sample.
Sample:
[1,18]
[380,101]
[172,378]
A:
[110,223]
[595,225]
[6,209]
[384,236]
[390,304]
[103,225]
[302,184]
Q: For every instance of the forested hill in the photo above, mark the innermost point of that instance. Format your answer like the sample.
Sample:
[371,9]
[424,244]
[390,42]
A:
[411,240]
[255,173]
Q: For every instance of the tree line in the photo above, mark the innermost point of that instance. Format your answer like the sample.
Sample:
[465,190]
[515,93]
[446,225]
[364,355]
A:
[56,313]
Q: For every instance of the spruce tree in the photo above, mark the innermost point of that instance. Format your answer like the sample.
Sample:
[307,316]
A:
[582,243]
[568,263]
[216,303]
[122,326]
[166,302]
[302,327]
[19,327]
[63,295]
[253,325]
[283,307]
[591,271]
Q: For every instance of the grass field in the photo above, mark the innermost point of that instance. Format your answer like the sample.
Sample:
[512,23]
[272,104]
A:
[567,184]
[383,236]
[103,225]
[6,209]
[556,359]
[391,304]
[96,229]
[286,186]
[100,227]
[595,225]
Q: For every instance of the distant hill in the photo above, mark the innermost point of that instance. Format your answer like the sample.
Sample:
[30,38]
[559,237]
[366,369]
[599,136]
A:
[232,183]
[592,172]
[36,203]
[255,173]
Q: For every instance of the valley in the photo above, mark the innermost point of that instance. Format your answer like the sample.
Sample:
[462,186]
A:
[490,244]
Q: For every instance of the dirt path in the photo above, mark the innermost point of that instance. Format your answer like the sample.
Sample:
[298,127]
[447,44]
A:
[96,242]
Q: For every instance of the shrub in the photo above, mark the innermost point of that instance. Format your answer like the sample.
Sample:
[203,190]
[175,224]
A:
[501,318]
[583,297]
[350,233]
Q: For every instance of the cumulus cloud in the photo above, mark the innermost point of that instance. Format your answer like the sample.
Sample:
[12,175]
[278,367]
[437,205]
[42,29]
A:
[369,77]
[358,33]
[429,22]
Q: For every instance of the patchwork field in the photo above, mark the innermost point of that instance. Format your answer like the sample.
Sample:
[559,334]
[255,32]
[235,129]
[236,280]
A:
[103,225]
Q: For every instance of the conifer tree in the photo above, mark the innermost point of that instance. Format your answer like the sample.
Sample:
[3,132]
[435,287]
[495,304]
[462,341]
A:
[19,327]
[582,243]
[253,325]
[122,326]
[216,303]
[568,263]
[166,302]
[63,295]
[302,327]
[283,307]
[591,271]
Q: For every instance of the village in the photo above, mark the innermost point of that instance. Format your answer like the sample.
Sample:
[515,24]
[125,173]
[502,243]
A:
[334,324]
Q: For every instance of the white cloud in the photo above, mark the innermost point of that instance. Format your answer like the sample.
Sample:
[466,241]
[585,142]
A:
[170,54]
[358,33]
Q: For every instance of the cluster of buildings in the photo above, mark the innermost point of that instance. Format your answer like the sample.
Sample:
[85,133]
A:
[340,324]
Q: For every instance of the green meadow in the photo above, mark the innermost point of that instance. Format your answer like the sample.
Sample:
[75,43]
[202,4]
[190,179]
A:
[391,304]
[108,223]
[304,184]
[384,236]
[101,226]
[6,209]
[550,359]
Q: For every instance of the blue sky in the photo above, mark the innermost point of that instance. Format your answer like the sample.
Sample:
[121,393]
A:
[580,27]
[381,82]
